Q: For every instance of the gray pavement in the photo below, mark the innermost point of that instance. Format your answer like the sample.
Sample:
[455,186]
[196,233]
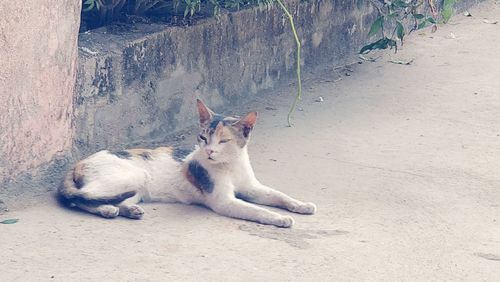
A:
[403,162]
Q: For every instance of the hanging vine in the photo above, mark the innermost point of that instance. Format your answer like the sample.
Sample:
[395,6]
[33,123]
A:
[299,80]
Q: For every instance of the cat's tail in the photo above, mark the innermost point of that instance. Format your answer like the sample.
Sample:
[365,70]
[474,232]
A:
[70,192]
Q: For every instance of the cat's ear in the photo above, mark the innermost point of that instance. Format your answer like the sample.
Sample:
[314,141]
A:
[205,113]
[247,123]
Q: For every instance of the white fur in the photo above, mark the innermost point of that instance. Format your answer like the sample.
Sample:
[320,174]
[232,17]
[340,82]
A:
[156,180]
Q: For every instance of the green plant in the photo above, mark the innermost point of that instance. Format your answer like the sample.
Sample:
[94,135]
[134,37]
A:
[136,7]
[141,7]
[96,13]
[104,7]
[299,80]
[191,7]
[447,11]
[390,23]
[105,10]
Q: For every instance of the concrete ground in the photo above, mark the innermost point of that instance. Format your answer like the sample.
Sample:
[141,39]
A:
[402,161]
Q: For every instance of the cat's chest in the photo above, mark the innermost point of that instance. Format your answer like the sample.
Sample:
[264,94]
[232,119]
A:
[234,175]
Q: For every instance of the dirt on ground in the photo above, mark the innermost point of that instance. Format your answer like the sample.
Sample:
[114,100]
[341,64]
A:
[402,161]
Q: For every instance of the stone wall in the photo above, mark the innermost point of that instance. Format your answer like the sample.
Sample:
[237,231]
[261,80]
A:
[137,84]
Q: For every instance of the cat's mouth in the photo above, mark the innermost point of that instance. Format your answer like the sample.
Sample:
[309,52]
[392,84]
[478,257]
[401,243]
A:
[210,158]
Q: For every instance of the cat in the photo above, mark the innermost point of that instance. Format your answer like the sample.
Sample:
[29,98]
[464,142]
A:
[217,174]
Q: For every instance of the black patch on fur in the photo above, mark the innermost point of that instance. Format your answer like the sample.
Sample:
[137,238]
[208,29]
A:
[200,177]
[79,183]
[220,118]
[62,200]
[114,200]
[146,156]
[111,200]
[215,121]
[179,154]
[122,154]
[246,131]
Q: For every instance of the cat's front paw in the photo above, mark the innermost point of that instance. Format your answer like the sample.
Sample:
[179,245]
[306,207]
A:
[306,208]
[285,221]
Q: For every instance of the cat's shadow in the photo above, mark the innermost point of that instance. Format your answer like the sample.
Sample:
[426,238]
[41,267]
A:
[294,237]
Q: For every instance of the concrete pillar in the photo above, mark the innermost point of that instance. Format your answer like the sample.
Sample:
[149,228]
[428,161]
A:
[38,54]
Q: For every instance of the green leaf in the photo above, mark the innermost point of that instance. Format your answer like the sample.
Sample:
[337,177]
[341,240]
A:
[89,7]
[366,49]
[359,4]
[376,26]
[422,25]
[431,20]
[392,15]
[383,43]
[447,11]
[9,221]
[400,4]
[418,16]
[400,30]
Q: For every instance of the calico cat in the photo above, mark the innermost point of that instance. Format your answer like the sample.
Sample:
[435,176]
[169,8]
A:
[217,174]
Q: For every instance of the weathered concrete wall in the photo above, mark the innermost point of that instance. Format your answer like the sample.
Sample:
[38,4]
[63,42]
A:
[38,51]
[138,84]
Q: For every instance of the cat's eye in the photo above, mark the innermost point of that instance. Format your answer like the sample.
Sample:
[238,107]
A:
[203,138]
[224,141]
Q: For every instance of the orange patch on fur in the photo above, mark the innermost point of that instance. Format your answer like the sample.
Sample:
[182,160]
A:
[136,152]
[144,154]
[147,154]
[79,174]
[188,176]
[162,151]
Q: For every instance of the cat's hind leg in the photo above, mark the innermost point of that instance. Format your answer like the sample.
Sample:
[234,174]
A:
[106,211]
[263,195]
[130,209]
[101,202]
[127,208]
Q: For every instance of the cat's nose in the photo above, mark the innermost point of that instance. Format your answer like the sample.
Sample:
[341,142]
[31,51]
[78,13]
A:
[209,151]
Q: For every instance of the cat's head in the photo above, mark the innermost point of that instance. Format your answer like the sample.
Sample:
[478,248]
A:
[223,138]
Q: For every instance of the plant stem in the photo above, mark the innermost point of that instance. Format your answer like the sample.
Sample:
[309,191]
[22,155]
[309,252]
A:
[297,41]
